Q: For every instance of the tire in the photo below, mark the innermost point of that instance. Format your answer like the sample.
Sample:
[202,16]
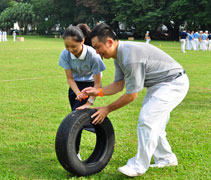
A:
[66,140]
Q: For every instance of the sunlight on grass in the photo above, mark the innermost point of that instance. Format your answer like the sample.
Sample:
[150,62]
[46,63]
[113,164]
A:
[34,101]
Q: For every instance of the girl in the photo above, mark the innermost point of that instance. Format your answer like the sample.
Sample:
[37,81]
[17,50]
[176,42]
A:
[83,69]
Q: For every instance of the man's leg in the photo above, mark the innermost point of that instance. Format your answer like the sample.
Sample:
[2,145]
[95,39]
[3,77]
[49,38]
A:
[160,100]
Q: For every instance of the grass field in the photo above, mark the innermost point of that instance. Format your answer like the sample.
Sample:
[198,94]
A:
[33,102]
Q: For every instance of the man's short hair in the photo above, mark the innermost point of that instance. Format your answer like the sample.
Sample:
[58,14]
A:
[102,31]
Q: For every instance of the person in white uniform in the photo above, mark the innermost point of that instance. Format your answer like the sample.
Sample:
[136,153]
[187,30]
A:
[196,37]
[139,65]
[147,37]
[190,41]
[204,41]
[200,40]
[209,41]
[5,36]
[183,38]
[14,36]
[0,35]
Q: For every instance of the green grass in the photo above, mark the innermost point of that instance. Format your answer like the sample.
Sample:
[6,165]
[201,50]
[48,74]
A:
[33,102]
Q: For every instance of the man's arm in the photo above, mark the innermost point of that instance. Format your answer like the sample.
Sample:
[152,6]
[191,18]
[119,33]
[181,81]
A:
[111,89]
[104,111]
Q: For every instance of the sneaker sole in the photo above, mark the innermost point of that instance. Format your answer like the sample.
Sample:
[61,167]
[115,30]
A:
[127,174]
[162,166]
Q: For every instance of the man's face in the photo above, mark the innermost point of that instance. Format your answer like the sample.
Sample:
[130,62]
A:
[102,48]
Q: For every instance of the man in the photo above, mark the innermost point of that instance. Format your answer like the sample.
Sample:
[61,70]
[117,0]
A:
[140,65]
[200,40]
[14,36]
[183,38]
[196,37]
[209,41]
[147,37]
[0,35]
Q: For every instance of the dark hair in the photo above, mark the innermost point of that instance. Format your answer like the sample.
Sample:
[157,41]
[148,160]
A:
[102,31]
[75,32]
[86,31]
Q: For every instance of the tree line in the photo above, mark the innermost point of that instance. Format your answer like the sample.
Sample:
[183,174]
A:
[136,16]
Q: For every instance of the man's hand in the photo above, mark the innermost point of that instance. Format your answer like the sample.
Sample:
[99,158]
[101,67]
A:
[91,91]
[100,115]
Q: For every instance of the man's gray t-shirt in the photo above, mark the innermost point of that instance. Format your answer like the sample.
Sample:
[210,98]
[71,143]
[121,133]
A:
[143,65]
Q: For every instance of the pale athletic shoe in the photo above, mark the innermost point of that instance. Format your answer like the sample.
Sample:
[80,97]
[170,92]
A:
[162,165]
[79,157]
[126,170]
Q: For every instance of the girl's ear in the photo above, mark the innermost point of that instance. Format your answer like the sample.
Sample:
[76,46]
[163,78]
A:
[82,42]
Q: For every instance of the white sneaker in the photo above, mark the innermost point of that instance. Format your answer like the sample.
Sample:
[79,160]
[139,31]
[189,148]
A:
[161,165]
[126,170]
[79,157]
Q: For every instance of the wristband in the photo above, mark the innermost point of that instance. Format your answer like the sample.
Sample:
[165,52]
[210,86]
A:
[100,92]
[91,101]
[85,97]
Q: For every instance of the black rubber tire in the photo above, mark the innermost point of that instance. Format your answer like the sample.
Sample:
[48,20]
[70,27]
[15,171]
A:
[66,140]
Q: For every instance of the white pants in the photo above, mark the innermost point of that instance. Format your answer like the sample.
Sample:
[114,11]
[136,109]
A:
[183,42]
[200,45]
[204,45]
[188,45]
[196,44]
[159,101]
[147,41]
[210,45]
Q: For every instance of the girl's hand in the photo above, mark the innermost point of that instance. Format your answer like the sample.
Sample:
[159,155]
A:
[81,96]
[85,106]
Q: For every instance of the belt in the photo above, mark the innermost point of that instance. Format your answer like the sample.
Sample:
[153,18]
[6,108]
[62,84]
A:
[180,74]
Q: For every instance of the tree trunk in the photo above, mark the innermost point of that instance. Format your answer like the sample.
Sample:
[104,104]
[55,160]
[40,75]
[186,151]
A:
[173,31]
[25,28]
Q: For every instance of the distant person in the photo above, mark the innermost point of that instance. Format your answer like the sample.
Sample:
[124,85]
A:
[14,36]
[139,65]
[5,35]
[83,69]
[147,37]
[0,36]
[196,37]
[183,38]
[190,40]
[200,40]
[204,37]
[209,41]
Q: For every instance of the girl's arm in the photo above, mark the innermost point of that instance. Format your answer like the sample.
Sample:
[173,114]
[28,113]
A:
[97,84]
[71,82]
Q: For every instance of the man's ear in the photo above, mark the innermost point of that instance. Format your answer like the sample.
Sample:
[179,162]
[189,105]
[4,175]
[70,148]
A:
[109,42]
